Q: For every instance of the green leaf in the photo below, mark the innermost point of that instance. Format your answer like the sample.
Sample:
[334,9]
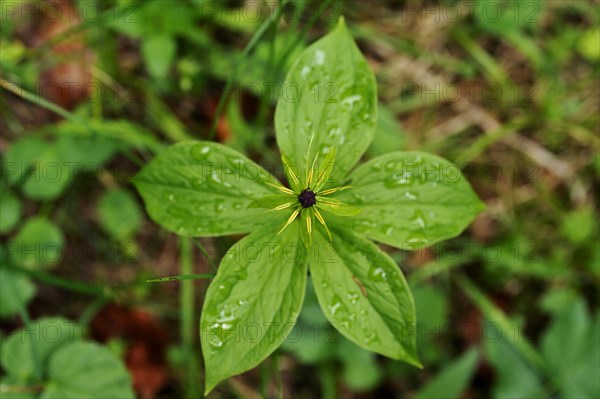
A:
[158,53]
[330,92]
[324,170]
[119,214]
[451,382]
[28,346]
[39,243]
[273,201]
[87,370]
[45,169]
[515,378]
[336,207]
[360,368]
[10,210]
[253,302]
[572,350]
[364,294]
[16,290]
[198,188]
[410,200]
[293,173]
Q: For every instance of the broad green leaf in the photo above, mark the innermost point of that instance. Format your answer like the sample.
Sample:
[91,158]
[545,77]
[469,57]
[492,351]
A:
[451,382]
[360,368]
[87,370]
[19,157]
[336,207]
[410,200]
[39,243]
[572,350]
[253,302]
[273,201]
[515,378]
[329,96]
[10,210]
[431,304]
[16,290]
[46,168]
[28,346]
[198,188]
[119,214]
[364,294]
[158,53]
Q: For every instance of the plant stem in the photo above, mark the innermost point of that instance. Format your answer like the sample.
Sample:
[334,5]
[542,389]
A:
[187,314]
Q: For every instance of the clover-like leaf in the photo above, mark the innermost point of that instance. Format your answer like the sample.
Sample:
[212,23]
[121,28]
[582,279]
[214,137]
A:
[253,302]
[30,349]
[364,295]
[328,99]
[198,188]
[87,370]
[410,200]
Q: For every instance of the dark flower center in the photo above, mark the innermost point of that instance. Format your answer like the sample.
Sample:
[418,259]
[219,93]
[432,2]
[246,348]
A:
[307,198]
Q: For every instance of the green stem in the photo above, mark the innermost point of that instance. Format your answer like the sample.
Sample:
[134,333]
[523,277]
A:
[181,277]
[210,261]
[187,314]
[71,285]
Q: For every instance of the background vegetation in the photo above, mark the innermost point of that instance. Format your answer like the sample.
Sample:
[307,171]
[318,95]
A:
[508,90]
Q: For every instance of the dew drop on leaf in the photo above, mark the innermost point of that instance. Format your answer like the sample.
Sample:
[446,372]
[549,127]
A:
[200,152]
[377,274]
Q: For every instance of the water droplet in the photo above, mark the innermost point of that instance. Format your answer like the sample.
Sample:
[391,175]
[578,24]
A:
[399,180]
[416,240]
[349,101]
[411,196]
[305,70]
[319,57]
[418,218]
[377,166]
[238,206]
[215,342]
[200,151]
[389,229]
[370,337]
[391,166]
[219,205]
[168,196]
[324,149]
[353,297]
[377,274]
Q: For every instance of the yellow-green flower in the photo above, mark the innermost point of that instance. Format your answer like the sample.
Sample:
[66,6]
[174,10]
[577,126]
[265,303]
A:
[307,196]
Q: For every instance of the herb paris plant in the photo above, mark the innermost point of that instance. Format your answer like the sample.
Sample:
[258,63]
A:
[325,119]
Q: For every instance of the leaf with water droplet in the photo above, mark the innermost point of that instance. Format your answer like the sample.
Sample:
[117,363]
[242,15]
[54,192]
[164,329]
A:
[198,188]
[253,302]
[327,92]
[364,294]
[410,200]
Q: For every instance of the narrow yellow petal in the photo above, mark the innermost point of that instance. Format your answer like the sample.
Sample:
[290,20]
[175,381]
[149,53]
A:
[333,190]
[281,188]
[322,221]
[290,220]
[280,207]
